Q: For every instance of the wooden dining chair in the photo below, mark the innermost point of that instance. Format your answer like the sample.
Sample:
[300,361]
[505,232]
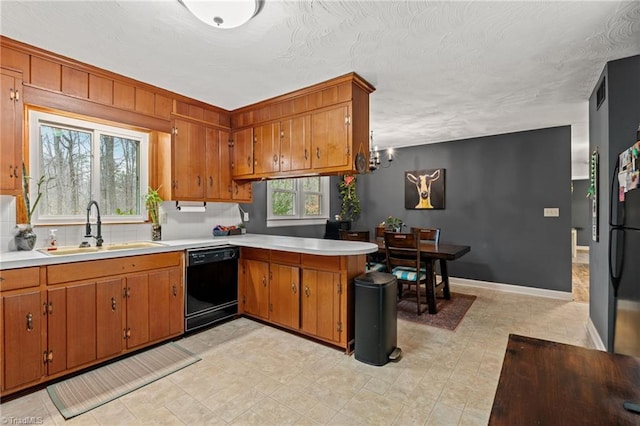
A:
[433,235]
[371,265]
[403,261]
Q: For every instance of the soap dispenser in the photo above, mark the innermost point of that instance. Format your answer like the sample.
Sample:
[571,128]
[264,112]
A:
[53,240]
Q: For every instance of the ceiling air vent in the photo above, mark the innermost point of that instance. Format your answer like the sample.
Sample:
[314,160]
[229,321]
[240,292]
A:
[601,93]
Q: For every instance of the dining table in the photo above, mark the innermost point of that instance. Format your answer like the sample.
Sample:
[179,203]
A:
[431,252]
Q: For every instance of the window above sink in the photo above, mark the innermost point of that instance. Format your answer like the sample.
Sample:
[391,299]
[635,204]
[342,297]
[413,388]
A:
[87,161]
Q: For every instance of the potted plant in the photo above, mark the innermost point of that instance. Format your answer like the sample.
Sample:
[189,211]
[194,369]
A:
[24,237]
[394,224]
[152,201]
[350,202]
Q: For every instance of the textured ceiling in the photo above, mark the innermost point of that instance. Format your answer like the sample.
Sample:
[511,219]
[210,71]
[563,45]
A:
[443,70]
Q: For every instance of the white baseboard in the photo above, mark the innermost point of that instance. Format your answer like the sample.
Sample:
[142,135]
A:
[595,336]
[531,291]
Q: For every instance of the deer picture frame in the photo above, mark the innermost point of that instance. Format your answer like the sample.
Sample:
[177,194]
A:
[424,189]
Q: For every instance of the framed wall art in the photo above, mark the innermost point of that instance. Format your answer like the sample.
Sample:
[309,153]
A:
[424,189]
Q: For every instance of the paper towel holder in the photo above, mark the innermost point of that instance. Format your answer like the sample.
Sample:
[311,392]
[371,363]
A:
[195,205]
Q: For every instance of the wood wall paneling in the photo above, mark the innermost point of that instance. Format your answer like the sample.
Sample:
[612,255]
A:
[75,83]
[19,61]
[163,106]
[145,101]
[196,112]
[124,96]
[100,89]
[46,74]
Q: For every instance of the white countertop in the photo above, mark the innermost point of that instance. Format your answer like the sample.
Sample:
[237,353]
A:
[22,259]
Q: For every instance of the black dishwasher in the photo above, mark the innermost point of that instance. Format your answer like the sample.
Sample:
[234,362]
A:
[211,286]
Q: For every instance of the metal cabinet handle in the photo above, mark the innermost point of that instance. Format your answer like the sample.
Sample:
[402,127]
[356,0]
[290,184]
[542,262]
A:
[249,161]
[318,152]
[15,172]
[264,280]
[306,154]
[294,288]
[275,159]
[17,95]
[198,180]
[210,180]
[29,321]
[12,94]
[306,291]
[175,290]
[11,171]
[113,304]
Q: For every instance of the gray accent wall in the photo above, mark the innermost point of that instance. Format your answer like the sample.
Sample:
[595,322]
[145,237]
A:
[612,128]
[581,211]
[496,190]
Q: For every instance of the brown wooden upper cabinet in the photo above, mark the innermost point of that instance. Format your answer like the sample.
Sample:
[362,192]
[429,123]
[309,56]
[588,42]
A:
[11,132]
[320,129]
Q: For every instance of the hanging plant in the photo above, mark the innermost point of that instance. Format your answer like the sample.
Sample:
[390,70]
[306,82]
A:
[350,202]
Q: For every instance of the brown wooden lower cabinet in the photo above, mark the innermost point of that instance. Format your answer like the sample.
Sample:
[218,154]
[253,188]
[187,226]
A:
[284,305]
[309,294]
[254,276]
[49,330]
[22,338]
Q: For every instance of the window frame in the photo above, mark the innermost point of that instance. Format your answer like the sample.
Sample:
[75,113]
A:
[299,219]
[85,124]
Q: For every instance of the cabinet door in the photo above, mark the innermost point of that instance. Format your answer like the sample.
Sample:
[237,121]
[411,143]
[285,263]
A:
[10,132]
[188,157]
[56,330]
[330,138]
[295,144]
[176,301]
[137,291]
[109,303]
[242,163]
[213,166]
[242,192]
[266,149]
[159,302]
[225,169]
[321,304]
[81,324]
[256,288]
[284,305]
[22,339]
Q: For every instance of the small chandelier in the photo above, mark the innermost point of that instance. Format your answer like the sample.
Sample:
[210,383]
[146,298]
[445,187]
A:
[375,159]
[224,13]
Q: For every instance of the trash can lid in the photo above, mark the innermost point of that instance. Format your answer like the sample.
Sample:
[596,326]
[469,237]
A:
[375,278]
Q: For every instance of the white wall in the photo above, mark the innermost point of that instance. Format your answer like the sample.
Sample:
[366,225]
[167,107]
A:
[178,225]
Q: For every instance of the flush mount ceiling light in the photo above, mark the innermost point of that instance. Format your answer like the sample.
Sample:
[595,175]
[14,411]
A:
[224,13]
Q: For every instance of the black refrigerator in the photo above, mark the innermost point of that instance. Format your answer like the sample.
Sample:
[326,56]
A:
[624,251]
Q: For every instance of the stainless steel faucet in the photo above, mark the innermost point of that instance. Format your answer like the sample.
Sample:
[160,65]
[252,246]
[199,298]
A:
[98,237]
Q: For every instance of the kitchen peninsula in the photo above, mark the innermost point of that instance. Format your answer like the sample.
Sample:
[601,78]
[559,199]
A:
[301,284]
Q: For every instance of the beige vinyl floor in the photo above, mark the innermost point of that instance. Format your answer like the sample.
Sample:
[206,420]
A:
[256,374]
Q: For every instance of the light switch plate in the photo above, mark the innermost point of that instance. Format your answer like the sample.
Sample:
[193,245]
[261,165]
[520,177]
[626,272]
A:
[246,217]
[551,212]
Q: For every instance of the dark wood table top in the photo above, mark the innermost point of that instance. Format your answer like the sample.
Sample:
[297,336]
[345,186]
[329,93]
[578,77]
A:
[439,251]
[549,383]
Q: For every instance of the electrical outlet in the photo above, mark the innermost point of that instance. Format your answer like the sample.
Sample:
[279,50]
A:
[246,216]
[163,217]
[551,212]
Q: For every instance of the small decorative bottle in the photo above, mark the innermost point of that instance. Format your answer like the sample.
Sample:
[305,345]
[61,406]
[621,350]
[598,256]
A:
[53,240]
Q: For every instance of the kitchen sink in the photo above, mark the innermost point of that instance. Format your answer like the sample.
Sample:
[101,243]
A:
[62,251]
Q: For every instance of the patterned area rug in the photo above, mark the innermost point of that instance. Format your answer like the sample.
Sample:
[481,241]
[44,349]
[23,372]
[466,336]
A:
[450,312]
[87,391]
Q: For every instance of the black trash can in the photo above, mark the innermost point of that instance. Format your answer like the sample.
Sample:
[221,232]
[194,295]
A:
[376,334]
